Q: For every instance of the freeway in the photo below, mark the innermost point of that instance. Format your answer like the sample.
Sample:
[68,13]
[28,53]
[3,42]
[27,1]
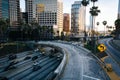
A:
[113,55]
[80,64]
[113,52]
[29,68]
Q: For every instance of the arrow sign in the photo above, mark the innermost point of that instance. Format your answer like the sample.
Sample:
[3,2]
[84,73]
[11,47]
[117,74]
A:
[101,47]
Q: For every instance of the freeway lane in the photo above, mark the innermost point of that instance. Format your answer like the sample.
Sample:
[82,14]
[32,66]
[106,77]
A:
[115,54]
[81,65]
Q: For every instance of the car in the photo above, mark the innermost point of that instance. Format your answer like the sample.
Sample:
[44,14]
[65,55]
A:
[36,66]
[9,67]
[36,50]
[12,56]
[13,62]
[3,78]
[34,58]
[27,57]
[51,55]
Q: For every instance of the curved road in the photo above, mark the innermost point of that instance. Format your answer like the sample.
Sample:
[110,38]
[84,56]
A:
[113,52]
[80,64]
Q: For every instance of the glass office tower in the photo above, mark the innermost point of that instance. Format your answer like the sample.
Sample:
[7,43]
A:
[4,9]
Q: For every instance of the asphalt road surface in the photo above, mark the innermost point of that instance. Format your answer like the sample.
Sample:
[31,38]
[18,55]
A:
[113,52]
[80,64]
[23,69]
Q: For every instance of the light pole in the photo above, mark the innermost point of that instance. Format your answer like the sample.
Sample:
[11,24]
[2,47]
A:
[85,3]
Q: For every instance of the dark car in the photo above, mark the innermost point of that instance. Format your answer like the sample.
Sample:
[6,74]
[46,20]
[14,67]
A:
[3,78]
[27,57]
[9,67]
[36,66]
[12,56]
[34,58]
[13,62]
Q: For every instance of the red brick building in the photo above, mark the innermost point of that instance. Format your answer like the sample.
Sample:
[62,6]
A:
[66,22]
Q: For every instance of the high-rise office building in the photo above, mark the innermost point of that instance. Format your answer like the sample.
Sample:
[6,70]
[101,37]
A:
[24,17]
[14,11]
[119,10]
[4,9]
[77,18]
[66,22]
[29,9]
[47,13]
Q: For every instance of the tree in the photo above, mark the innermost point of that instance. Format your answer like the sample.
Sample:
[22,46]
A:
[98,23]
[94,12]
[94,0]
[85,3]
[104,23]
[4,24]
[117,26]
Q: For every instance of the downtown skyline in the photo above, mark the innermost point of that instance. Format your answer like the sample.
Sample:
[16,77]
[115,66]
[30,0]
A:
[109,11]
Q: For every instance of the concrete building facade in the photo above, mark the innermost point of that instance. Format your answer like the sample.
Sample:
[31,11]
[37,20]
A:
[14,13]
[46,12]
[119,10]
[29,10]
[77,18]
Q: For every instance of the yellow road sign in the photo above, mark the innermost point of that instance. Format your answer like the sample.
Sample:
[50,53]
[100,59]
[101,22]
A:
[101,47]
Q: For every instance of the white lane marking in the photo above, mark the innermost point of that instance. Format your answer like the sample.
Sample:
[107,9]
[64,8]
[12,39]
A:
[82,70]
[91,77]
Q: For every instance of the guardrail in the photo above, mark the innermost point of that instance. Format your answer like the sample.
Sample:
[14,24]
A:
[55,75]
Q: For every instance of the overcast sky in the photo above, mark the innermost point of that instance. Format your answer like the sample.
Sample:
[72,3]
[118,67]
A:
[109,10]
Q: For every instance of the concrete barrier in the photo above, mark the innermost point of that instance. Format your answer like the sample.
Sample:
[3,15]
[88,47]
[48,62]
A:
[61,67]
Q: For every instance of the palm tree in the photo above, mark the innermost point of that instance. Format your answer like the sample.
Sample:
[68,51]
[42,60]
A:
[85,3]
[104,23]
[97,25]
[117,26]
[94,0]
[94,12]
[97,29]
[58,33]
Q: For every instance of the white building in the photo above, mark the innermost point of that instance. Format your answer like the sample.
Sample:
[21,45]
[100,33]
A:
[119,10]
[46,12]
[77,18]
